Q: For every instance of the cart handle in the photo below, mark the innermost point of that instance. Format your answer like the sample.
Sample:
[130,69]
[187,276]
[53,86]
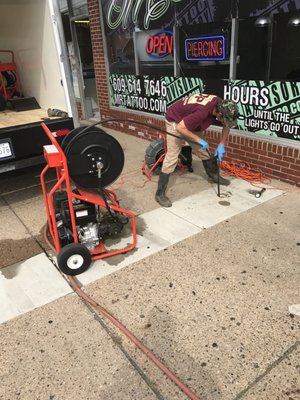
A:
[52,138]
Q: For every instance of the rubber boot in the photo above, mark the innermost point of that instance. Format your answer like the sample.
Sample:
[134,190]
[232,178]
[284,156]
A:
[211,168]
[160,195]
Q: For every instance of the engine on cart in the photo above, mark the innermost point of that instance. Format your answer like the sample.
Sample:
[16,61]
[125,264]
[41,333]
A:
[92,225]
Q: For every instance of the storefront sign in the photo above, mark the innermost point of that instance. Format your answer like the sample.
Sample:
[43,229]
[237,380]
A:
[150,94]
[205,48]
[159,45]
[149,14]
[271,109]
[140,93]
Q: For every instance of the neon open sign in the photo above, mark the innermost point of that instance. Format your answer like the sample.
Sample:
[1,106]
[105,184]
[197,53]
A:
[205,48]
[160,44]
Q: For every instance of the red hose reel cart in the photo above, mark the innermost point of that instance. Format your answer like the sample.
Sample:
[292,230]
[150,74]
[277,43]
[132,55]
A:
[81,212]
[9,79]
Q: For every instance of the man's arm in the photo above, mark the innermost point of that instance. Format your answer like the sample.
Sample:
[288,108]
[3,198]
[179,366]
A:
[189,135]
[225,134]
[220,151]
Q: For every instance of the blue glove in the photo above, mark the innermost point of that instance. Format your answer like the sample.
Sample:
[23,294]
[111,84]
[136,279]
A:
[203,144]
[220,151]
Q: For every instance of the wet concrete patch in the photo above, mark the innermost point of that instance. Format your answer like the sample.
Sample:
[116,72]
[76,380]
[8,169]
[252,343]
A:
[14,251]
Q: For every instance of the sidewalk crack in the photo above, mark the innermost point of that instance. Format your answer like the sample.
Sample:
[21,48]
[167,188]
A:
[268,370]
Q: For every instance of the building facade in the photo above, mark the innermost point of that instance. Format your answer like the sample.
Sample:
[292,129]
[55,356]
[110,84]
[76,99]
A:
[147,54]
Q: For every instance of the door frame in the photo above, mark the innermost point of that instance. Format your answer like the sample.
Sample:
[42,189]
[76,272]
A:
[66,74]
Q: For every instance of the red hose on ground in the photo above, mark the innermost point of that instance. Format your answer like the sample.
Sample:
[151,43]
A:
[134,339]
[126,332]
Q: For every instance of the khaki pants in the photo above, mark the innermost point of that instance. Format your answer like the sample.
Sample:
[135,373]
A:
[174,148]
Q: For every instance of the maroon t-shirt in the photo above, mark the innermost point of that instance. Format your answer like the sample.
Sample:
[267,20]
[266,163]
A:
[195,111]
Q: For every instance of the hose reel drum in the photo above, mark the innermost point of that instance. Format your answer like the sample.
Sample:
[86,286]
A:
[94,157]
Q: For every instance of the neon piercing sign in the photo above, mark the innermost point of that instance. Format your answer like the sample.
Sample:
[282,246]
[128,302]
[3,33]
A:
[205,48]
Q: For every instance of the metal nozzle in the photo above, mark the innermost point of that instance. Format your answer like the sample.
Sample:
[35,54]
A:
[258,194]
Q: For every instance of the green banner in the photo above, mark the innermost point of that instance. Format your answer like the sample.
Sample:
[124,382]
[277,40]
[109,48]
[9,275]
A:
[150,94]
[269,109]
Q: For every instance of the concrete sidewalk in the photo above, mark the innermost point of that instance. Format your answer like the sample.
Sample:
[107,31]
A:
[209,290]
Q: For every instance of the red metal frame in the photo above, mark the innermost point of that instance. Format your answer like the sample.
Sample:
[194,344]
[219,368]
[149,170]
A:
[56,158]
[148,171]
[8,92]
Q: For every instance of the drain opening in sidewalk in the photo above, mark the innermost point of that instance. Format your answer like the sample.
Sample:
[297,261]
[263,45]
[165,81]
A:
[224,203]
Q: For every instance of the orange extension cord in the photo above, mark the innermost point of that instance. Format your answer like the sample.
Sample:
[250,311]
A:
[244,171]
[239,169]
[254,176]
[124,330]
[126,178]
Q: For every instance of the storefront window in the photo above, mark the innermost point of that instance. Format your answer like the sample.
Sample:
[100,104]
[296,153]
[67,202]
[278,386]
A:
[252,49]
[204,50]
[285,53]
[268,49]
[120,49]
[154,52]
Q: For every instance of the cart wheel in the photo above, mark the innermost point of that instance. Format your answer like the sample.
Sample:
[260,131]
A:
[153,152]
[74,259]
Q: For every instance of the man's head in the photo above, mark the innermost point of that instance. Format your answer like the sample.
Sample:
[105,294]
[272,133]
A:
[229,111]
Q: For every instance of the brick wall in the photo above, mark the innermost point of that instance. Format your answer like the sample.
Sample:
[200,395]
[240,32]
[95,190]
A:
[274,160]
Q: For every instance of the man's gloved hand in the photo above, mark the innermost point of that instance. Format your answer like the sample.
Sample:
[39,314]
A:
[220,151]
[203,144]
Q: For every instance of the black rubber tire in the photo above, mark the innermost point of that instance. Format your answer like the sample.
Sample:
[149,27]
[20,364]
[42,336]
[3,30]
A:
[153,152]
[10,77]
[71,255]
[2,103]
